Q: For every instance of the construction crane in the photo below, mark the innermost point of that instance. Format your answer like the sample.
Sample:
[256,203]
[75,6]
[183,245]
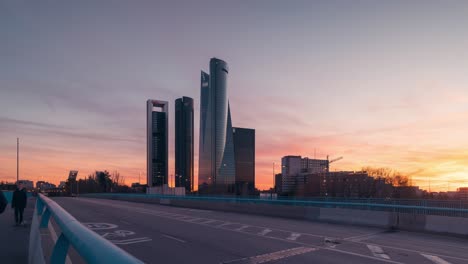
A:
[331,161]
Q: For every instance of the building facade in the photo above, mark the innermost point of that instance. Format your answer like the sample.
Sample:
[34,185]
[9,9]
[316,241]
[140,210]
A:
[216,153]
[294,169]
[184,143]
[157,142]
[244,153]
[291,166]
[313,165]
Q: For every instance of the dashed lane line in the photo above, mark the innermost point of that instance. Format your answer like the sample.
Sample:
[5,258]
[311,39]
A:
[273,256]
[264,232]
[175,238]
[241,228]
[435,259]
[378,251]
[293,236]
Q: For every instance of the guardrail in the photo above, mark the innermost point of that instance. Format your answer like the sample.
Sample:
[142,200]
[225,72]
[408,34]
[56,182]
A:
[91,247]
[9,195]
[423,207]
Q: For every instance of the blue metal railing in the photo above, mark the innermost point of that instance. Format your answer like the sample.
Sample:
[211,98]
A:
[91,247]
[9,195]
[425,207]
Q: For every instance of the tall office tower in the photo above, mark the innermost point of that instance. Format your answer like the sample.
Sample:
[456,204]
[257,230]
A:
[157,142]
[244,153]
[184,143]
[216,155]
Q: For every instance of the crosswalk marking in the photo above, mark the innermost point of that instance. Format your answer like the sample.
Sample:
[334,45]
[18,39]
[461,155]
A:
[378,251]
[435,259]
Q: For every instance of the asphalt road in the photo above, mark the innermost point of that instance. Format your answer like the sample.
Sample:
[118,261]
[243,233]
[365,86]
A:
[164,234]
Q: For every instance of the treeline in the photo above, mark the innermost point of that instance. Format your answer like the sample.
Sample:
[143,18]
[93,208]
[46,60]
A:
[98,182]
[391,176]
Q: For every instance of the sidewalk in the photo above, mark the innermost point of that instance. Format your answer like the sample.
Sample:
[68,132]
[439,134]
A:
[14,240]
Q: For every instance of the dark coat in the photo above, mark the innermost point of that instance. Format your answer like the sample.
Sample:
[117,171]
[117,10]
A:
[20,198]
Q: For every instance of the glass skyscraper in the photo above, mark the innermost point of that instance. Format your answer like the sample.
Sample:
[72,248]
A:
[216,153]
[244,150]
[157,142]
[184,143]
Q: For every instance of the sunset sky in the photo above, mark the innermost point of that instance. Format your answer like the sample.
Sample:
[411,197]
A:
[381,83]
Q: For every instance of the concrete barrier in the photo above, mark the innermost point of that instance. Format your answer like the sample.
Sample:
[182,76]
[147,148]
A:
[356,217]
[446,225]
[411,222]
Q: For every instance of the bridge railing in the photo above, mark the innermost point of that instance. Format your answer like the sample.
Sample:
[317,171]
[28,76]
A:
[91,247]
[424,207]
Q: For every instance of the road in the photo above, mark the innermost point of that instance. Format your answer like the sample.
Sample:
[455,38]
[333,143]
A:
[164,234]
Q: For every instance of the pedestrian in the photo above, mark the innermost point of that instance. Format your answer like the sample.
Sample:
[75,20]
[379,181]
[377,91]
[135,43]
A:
[19,202]
[3,202]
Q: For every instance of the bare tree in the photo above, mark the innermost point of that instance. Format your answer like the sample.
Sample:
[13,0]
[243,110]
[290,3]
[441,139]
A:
[391,176]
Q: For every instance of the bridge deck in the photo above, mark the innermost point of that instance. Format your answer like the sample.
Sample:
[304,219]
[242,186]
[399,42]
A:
[163,234]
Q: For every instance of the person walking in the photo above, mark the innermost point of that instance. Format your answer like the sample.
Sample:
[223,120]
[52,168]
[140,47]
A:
[19,202]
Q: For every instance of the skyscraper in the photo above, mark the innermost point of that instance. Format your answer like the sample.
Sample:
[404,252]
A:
[157,142]
[184,143]
[244,151]
[216,155]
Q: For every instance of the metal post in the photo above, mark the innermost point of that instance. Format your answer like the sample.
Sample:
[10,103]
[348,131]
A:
[274,185]
[17,160]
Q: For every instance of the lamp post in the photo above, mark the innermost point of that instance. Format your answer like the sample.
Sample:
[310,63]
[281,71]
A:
[274,178]
[17,160]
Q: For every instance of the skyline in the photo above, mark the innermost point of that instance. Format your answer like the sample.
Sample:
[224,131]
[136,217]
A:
[381,84]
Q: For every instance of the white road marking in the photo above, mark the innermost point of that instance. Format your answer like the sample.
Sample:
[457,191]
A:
[117,233]
[224,224]
[293,236]
[362,237]
[435,259]
[194,219]
[100,226]
[131,241]
[273,256]
[175,238]
[53,234]
[378,251]
[199,210]
[264,232]
[241,228]
[186,218]
[209,221]
[125,222]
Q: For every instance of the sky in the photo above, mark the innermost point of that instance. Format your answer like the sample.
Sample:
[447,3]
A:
[381,83]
